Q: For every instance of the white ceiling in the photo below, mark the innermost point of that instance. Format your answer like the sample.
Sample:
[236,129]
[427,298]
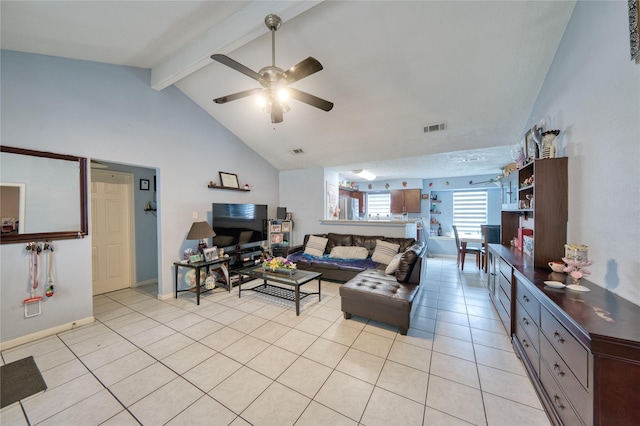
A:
[390,68]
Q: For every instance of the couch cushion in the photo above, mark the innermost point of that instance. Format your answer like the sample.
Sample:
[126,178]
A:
[407,262]
[316,246]
[338,240]
[349,252]
[404,243]
[366,241]
[384,252]
[393,265]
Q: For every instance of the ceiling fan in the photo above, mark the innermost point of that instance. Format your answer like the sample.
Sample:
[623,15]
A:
[274,80]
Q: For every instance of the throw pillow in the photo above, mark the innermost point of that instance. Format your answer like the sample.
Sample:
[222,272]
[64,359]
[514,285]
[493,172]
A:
[315,246]
[384,252]
[349,252]
[393,265]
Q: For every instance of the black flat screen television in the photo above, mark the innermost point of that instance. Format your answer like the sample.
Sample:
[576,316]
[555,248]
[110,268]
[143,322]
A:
[238,224]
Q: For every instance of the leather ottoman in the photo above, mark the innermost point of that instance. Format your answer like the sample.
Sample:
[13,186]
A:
[375,295]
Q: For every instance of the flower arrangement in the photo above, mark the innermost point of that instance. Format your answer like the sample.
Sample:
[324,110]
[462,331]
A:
[276,263]
[577,268]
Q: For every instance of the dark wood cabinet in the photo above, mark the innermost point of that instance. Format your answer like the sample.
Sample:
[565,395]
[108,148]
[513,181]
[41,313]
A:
[405,201]
[581,350]
[541,205]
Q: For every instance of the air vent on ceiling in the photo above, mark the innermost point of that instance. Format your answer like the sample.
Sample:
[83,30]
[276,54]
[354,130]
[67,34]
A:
[437,127]
[296,151]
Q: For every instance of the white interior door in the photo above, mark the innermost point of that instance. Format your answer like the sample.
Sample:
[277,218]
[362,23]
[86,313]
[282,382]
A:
[111,230]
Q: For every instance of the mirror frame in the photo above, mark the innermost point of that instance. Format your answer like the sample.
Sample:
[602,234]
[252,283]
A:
[58,235]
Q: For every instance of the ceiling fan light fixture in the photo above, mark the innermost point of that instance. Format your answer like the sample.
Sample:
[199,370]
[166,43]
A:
[274,79]
[365,174]
[283,95]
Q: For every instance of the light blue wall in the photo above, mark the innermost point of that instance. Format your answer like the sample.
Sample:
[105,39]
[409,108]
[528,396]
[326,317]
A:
[592,94]
[109,112]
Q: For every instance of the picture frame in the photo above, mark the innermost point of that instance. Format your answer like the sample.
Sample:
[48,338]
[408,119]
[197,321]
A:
[276,227]
[277,238]
[144,184]
[286,226]
[195,258]
[211,254]
[289,216]
[530,145]
[229,180]
[634,34]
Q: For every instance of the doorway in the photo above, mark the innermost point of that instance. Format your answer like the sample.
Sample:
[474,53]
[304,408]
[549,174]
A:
[112,230]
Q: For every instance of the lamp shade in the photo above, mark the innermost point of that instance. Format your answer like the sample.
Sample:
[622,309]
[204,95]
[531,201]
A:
[200,231]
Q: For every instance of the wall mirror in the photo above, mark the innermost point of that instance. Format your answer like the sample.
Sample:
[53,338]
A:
[42,195]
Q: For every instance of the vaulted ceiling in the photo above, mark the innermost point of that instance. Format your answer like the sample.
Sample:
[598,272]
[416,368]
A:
[390,67]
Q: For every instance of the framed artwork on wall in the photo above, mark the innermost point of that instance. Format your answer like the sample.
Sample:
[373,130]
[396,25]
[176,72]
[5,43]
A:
[144,184]
[230,180]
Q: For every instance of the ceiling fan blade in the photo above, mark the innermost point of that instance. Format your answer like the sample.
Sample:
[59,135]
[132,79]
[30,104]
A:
[276,113]
[239,95]
[310,99]
[225,60]
[301,70]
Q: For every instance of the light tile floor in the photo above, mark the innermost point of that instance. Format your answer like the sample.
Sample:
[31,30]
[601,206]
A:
[251,360]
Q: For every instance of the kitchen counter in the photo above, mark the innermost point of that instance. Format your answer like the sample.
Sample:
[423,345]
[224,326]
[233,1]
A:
[399,223]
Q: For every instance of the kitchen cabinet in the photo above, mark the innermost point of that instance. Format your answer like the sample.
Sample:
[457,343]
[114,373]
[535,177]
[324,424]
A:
[405,201]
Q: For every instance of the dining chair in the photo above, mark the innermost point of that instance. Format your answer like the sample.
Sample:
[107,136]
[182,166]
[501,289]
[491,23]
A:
[491,235]
[462,250]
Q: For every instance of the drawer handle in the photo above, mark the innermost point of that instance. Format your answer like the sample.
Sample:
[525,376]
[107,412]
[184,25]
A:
[525,320]
[525,298]
[558,371]
[558,337]
[558,402]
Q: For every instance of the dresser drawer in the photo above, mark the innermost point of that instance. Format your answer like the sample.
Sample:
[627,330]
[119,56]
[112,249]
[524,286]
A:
[529,302]
[565,378]
[575,356]
[505,270]
[530,349]
[558,399]
[505,286]
[528,325]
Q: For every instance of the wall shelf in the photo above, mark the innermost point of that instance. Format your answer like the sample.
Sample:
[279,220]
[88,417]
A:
[228,188]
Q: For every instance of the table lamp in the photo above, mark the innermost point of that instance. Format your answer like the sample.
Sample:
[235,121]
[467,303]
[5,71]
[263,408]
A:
[200,231]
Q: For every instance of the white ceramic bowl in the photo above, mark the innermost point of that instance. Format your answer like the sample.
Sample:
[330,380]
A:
[556,266]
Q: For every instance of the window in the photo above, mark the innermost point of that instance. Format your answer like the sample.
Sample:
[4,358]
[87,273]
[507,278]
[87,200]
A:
[469,210]
[379,204]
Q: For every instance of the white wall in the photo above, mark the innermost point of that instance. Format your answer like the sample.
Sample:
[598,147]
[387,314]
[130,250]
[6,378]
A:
[110,112]
[592,94]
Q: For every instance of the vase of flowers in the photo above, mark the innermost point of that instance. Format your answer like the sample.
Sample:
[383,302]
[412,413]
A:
[577,270]
[279,264]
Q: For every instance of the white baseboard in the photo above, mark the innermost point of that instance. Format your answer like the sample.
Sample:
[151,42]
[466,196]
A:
[166,296]
[45,333]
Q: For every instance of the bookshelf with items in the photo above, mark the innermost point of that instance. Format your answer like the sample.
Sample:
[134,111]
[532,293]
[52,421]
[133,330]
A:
[435,227]
[279,235]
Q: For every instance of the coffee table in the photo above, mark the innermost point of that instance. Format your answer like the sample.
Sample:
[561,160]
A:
[295,280]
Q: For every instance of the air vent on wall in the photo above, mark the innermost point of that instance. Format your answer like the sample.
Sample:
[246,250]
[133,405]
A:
[296,151]
[437,127]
